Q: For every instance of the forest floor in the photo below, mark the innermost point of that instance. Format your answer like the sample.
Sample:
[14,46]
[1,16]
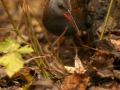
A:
[92,65]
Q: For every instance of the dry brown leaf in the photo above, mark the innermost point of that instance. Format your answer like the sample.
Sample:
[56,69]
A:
[75,82]
[78,65]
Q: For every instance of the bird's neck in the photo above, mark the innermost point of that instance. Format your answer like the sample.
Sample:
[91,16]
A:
[78,8]
[78,3]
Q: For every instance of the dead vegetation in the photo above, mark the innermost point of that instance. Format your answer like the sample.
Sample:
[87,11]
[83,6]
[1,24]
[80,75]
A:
[92,65]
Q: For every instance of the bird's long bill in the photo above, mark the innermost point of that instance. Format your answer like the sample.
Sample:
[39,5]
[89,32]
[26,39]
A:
[70,18]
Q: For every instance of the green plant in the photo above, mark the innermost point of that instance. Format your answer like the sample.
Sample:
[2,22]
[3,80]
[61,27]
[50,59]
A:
[12,59]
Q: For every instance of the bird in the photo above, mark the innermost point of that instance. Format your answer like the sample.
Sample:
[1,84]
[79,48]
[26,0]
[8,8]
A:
[61,14]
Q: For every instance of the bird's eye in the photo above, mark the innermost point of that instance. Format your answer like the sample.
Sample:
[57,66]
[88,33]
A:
[61,6]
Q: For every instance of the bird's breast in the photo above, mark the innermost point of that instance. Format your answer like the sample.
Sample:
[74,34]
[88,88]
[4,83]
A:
[58,25]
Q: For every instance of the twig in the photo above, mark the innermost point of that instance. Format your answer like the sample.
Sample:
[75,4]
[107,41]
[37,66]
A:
[106,20]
